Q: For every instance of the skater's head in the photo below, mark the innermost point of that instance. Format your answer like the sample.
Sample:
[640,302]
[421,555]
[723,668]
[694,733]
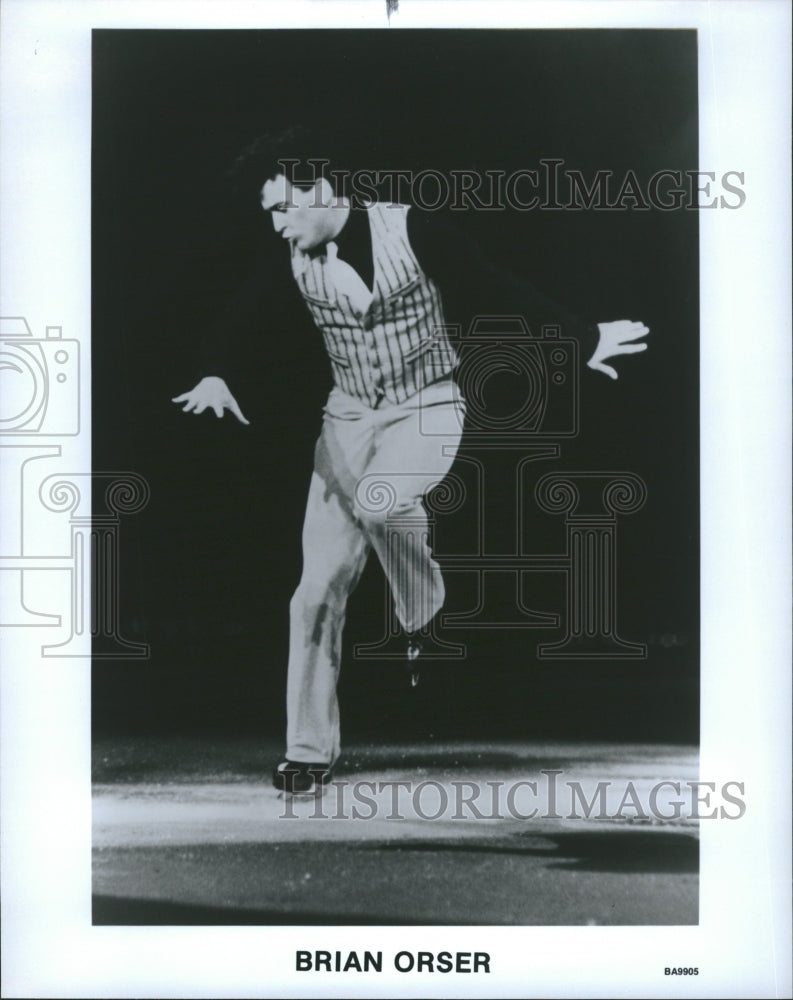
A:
[292,175]
[307,216]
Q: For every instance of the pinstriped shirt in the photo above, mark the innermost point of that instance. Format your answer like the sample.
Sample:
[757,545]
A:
[387,342]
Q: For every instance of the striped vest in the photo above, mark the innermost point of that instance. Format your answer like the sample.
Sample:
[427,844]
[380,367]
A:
[394,342]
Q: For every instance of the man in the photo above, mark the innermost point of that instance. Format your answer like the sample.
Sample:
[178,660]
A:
[376,279]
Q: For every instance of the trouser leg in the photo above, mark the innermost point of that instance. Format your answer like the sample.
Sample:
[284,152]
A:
[409,448]
[334,554]
[413,451]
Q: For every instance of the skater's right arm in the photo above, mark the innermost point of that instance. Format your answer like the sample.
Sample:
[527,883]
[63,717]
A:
[221,340]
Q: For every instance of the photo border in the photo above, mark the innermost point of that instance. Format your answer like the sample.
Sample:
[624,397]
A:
[742,944]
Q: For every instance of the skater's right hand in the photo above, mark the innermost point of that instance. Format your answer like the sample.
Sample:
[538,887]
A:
[210,392]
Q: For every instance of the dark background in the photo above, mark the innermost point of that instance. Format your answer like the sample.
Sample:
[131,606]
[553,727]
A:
[208,567]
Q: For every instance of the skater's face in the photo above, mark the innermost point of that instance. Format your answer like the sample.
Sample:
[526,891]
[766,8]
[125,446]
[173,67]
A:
[306,217]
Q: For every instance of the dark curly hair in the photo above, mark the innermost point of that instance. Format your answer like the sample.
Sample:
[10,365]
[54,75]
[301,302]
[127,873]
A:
[303,155]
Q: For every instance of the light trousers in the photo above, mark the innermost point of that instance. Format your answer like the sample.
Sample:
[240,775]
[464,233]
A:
[371,469]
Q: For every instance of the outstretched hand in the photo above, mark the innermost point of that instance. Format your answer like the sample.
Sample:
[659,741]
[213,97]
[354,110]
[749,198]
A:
[213,393]
[617,338]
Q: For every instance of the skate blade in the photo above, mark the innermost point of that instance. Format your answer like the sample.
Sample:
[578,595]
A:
[307,796]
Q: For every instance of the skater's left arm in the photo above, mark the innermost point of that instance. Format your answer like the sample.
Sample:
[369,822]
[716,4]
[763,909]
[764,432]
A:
[449,255]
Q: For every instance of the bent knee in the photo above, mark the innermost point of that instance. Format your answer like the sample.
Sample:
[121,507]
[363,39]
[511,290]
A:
[381,497]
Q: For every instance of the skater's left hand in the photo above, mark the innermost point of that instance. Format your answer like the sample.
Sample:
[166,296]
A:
[617,338]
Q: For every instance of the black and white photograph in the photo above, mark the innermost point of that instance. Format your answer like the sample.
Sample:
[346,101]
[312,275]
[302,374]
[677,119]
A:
[384,501]
[442,545]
